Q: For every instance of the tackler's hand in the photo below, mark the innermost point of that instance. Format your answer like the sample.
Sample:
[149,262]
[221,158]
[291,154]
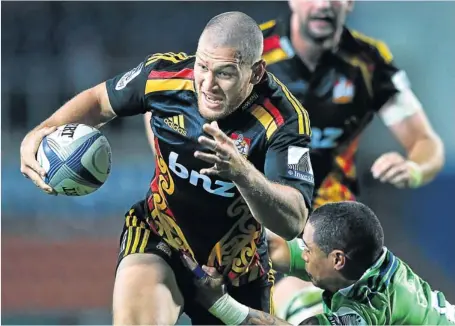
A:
[227,161]
[209,283]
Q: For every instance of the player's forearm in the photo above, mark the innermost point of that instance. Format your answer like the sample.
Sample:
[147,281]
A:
[428,153]
[279,208]
[90,107]
[232,312]
[256,317]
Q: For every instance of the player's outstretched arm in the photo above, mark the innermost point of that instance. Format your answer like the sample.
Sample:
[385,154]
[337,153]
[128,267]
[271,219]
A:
[122,95]
[90,107]
[280,208]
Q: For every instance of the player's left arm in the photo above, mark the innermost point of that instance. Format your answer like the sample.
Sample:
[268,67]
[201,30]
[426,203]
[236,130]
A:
[230,311]
[402,113]
[280,198]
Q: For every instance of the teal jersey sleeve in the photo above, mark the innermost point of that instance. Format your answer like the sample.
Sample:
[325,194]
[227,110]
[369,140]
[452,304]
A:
[297,264]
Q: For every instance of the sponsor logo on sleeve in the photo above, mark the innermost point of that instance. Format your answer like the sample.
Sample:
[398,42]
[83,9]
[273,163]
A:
[299,164]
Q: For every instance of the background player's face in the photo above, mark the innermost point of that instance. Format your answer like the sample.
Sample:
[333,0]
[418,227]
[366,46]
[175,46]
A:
[321,267]
[320,19]
[222,83]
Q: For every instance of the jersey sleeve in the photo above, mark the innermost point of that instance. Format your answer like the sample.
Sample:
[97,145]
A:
[288,159]
[126,91]
[384,80]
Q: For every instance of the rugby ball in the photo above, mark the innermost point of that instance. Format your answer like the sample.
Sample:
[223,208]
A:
[77,159]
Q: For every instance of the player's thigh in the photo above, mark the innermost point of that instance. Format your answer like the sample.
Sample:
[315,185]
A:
[146,292]
[285,289]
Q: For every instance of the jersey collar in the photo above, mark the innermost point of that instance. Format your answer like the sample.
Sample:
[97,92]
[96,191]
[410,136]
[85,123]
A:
[372,270]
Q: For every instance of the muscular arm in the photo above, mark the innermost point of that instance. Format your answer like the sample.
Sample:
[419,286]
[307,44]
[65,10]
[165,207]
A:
[90,107]
[278,207]
[279,198]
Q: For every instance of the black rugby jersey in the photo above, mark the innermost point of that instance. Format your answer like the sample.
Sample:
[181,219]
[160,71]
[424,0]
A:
[206,216]
[341,96]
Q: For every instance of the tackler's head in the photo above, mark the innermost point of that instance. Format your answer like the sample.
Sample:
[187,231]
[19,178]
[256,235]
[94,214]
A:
[342,240]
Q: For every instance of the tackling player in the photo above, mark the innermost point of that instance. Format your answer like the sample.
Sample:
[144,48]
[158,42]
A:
[344,78]
[231,147]
[342,252]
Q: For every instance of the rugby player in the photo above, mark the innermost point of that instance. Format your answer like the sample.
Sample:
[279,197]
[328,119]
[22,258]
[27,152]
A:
[232,157]
[342,251]
[343,79]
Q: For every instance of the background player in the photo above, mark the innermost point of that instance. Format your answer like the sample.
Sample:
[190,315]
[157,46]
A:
[342,252]
[343,78]
[200,203]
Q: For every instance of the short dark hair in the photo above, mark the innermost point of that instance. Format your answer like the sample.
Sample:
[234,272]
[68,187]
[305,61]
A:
[237,30]
[351,227]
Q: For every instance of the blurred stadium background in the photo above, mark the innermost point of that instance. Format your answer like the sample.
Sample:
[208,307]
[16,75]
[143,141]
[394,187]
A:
[59,254]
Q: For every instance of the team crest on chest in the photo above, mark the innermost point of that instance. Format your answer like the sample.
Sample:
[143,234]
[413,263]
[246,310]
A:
[343,91]
[242,143]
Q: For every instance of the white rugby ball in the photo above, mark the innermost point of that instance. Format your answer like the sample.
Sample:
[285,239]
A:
[77,159]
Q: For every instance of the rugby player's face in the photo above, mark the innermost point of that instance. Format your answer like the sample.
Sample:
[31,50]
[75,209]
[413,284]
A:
[222,84]
[320,267]
[321,19]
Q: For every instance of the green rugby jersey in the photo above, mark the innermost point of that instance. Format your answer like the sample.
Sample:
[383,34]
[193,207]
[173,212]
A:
[388,293]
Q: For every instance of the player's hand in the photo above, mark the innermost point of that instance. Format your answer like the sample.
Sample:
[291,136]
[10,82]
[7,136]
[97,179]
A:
[30,167]
[209,283]
[393,168]
[227,161]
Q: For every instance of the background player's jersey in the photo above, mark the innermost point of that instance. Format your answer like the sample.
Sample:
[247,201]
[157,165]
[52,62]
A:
[388,293]
[341,96]
[206,216]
